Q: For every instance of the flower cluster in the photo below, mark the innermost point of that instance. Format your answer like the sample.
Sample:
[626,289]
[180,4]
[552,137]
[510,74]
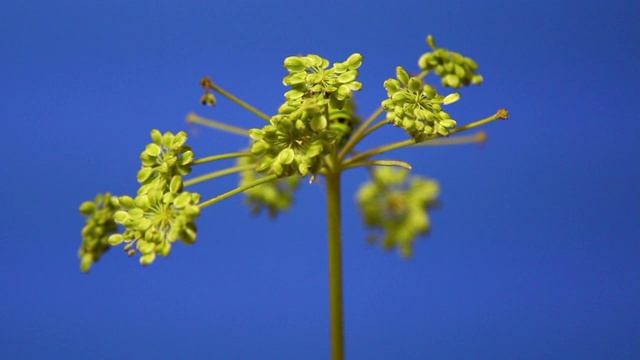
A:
[163,159]
[309,77]
[416,107]
[157,219]
[299,136]
[274,196]
[97,228]
[161,214]
[454,69]
[397,206]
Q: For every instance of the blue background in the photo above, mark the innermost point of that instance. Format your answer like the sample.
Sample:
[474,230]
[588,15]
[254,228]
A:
[535,253]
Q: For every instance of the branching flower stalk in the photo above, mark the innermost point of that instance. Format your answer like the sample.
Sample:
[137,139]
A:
[313,135]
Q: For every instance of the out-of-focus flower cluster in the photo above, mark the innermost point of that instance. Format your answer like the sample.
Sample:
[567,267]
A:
[161,214]
[299,136]
[454,69]
[416,107]
[98,227]
[274,196]
[396,206]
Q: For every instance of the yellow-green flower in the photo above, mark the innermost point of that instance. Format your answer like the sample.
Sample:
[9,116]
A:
[157,219]
[98,227]
[396,206]
[164,158]
[417,107]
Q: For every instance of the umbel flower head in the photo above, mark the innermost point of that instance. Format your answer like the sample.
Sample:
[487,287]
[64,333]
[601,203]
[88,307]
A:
[97,228]
[163,159]
[155,220]
[160,215]
[299,136]
[416,107]
[274,196]
[309,76]
[397,206]
[454,69]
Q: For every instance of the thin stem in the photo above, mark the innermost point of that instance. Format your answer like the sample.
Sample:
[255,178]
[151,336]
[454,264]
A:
[195,119]
[478,138]
[357,134]
[221,157]
[375,127]
[378,150]
[237,190]
[243,104]
[216,174]
[398,163]
[500,115]
[335,265]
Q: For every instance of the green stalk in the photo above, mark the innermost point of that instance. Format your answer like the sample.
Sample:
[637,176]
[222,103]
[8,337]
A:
[502,114]
[236,100]
[335,265]
[478,138]
[217,174]
[237,190]
[221,157]
[368,163]
[195,119]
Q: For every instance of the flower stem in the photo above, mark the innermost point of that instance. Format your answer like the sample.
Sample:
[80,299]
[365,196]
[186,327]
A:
[367,163]
[375,127]
[243,104]
[221,157]
[478,138]
[357,135]
[335,265]
[195,119]
[216,174]
[502,114]
[237,190]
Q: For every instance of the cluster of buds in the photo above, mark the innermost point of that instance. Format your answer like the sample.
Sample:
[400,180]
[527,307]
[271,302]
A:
[166,157]
[98,227]
[155,220]
[299,136]
[416,107]
[397,206]
[309,76]
[161,213]
[454,69]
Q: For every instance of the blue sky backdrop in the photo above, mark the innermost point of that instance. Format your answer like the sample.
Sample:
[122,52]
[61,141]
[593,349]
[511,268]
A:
[534,254]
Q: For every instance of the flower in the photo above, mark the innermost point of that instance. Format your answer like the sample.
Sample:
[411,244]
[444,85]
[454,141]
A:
[98,226]
[454,69]
[397,206]
[417,107]
[164,158]
[300,135]
[155,220]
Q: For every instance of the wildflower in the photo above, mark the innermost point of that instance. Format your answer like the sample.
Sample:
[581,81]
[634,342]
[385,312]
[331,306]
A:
[397,206]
